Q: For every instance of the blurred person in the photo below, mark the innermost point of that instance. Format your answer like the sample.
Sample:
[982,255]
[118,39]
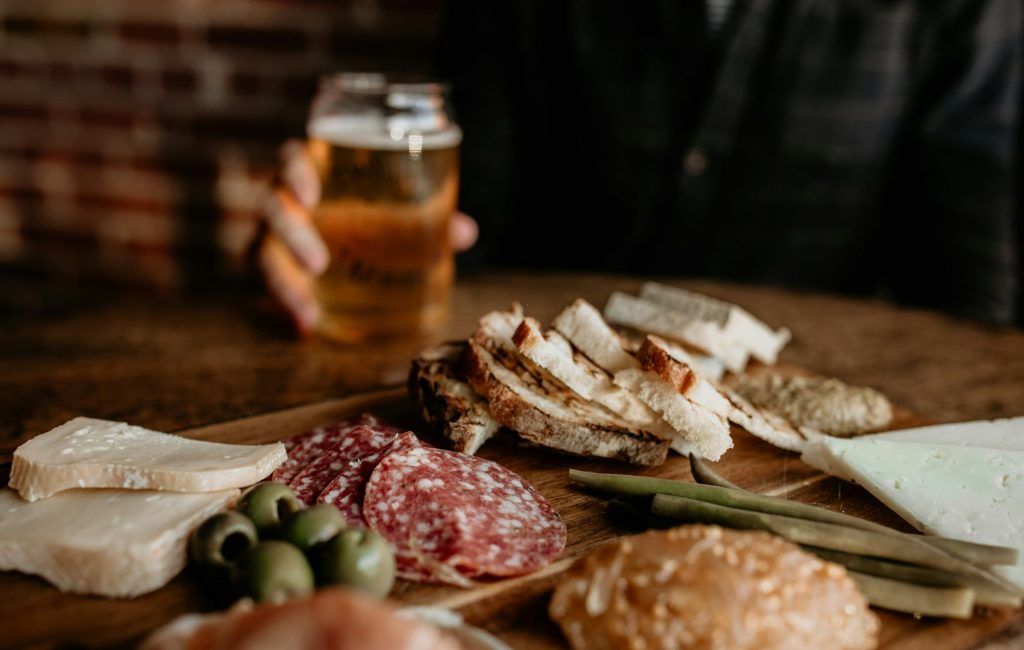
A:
[861,147]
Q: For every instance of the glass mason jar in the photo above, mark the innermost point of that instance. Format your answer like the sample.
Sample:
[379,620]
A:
[387,154]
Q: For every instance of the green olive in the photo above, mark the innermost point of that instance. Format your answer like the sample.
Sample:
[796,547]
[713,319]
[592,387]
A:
[269,505]
[274,571]
[313,526]
[221,539]
[357,558]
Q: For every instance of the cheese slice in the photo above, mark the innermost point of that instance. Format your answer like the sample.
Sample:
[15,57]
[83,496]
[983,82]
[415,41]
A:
[89,453]
[115,543]
[969,493]
[1007,433]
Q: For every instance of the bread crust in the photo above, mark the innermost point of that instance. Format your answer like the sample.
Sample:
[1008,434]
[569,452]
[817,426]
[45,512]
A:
[446,402]
[545,412]
[656,359]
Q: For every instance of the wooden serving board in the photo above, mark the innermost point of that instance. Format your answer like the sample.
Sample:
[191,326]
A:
[34,614]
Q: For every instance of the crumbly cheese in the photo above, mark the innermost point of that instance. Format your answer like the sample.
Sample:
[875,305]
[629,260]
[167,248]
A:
[969,493]
[115,543]
[824,404]
[90,453]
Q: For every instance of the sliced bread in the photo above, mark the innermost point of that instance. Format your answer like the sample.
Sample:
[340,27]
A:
[676,368]
[765,425]
[541,409]
[653,318]
[582,324]
[739,325]
[554,354]
[446,402]
[705,430]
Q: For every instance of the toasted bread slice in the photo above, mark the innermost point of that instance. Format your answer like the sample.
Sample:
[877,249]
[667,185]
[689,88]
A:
[554,354]
[581,323]
[446,402]
[674,366]
[542,409]
[767,426]
[705,430]
[763,343]
[654,318]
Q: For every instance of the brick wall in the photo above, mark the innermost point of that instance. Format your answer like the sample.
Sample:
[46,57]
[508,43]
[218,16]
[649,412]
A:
[136,135]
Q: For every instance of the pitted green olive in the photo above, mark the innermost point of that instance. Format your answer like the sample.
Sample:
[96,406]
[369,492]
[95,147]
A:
[269,505]
[274,571]
[221,539]
[357,558]
[313,526]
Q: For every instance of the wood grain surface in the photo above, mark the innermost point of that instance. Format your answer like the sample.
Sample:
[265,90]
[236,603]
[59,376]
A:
[36,615]
[180,363]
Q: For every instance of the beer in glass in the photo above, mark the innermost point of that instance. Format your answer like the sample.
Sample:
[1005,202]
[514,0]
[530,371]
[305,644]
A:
[387,156]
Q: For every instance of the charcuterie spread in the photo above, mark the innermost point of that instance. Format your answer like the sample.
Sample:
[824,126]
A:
[361,508]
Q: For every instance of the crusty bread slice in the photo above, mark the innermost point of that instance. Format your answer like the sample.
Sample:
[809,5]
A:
[582,324]
[738,324]
[542,409]
[671,363]
[705,366]
[765,425]
[705,430]
[551,352]
[651,317]
[446,402]
[674,366]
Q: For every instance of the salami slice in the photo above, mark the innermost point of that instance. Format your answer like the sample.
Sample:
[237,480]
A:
[345,491]
[346,454]
[446,512]
[306,447]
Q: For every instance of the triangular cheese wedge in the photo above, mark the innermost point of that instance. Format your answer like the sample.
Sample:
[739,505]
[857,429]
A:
[1007,433]
[968,493]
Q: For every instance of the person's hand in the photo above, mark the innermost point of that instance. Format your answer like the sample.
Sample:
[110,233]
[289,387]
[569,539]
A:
[292,252]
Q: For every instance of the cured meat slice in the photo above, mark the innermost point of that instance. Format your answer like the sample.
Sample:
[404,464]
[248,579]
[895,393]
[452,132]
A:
[345,491]
[450,516]
[306,447]
[361,440]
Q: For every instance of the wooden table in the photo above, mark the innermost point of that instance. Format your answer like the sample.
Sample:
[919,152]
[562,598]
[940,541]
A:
[179,363]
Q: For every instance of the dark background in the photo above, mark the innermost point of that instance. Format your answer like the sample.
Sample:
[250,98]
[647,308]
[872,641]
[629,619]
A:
[136,137]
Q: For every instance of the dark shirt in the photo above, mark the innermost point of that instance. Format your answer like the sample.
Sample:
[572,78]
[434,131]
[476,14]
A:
[862,146]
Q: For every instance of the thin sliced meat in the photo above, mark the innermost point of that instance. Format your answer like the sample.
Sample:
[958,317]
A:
[306,447]
[346,455]
[445,512]
[346,489]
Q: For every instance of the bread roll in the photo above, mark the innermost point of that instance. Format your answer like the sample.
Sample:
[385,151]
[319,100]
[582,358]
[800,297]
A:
[709,587]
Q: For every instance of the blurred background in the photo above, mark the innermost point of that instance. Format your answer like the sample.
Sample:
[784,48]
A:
[136,137]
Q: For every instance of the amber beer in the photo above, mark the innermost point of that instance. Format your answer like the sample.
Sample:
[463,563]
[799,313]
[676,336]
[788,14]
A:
[387,196]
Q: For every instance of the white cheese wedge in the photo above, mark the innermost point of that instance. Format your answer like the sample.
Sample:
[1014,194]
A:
[89,453]
[115,543]
[974,494]
[1007,433]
